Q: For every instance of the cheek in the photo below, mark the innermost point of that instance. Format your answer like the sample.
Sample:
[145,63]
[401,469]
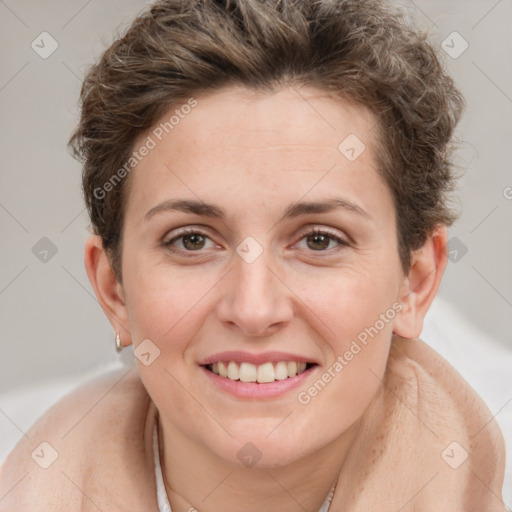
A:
[165,307]
[356,312]
[163,300]
[349,300]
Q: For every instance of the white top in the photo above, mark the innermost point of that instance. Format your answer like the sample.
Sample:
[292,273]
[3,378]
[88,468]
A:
[161,494]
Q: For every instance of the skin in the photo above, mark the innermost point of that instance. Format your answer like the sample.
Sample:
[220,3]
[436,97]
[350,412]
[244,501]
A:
[253,154]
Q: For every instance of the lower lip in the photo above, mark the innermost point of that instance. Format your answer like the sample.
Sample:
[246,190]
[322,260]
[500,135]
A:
[256,390]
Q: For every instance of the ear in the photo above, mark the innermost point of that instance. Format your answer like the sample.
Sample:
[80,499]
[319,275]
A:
[421,284]
[108,290]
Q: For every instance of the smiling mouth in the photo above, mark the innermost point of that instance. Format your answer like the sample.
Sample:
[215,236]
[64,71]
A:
[262,374]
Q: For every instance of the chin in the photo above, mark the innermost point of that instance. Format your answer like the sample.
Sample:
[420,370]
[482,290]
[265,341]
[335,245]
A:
[265,449]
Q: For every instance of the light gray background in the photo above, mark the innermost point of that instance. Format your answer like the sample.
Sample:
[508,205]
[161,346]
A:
[51,324]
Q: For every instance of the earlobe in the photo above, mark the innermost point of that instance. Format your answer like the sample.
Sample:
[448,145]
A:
[108,290]
[421,284]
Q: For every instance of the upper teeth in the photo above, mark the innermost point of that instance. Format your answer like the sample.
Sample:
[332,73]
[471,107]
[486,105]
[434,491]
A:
[267,372]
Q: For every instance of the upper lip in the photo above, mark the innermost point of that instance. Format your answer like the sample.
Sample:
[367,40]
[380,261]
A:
[256,359]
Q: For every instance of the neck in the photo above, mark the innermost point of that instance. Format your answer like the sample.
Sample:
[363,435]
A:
[197,480]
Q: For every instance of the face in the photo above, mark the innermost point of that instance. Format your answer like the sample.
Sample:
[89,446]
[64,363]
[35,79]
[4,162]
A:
[294,259]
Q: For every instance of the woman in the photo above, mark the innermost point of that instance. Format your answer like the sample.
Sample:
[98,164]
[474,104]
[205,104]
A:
[267,187]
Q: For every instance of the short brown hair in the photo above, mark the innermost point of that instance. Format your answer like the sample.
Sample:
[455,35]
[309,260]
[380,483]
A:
[359,49]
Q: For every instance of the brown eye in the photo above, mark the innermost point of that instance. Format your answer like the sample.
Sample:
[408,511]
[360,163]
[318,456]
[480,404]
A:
[318,241]
[189,241]
[193,242]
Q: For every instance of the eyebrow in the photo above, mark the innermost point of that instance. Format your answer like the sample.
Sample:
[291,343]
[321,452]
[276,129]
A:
[292,211]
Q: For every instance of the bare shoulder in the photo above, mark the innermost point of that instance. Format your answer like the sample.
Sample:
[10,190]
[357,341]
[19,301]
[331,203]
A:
[67,456]
[456,433]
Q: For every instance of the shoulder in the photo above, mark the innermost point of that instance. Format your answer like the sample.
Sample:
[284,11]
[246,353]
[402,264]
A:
[72,452]
[456,435]
[435,388]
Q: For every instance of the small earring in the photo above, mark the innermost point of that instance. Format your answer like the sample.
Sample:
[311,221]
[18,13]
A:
[119,347]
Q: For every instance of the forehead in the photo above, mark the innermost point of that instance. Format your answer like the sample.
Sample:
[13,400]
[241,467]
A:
[238,139]
[292,122]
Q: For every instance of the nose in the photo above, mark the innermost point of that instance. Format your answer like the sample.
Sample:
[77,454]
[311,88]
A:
[255,300]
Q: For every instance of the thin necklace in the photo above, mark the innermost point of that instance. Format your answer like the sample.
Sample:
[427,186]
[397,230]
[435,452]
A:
[161,494]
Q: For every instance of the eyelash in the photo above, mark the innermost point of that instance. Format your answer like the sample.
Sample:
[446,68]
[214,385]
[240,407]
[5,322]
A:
[190,254]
